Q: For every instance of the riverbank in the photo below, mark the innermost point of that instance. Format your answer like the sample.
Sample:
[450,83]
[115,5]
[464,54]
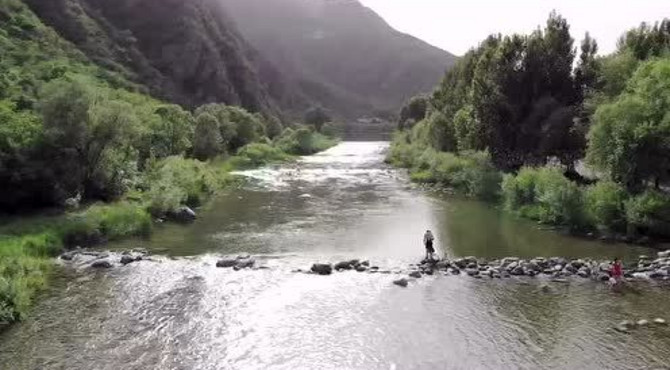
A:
[603,210]
[168,192]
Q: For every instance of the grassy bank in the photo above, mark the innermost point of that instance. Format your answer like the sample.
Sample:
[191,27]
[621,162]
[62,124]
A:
[542,194]
[28,243]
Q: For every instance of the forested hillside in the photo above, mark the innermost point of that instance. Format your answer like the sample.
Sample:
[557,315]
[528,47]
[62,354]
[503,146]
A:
[186,52]
[86,138]
[340,53]
[520,105]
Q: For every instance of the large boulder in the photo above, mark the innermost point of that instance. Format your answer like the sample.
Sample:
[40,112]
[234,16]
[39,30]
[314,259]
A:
[183,214]
[322,268]
[517,271]
[245,263]
[401,282]
[226,262]
[126,259]
[101,264]
[415,274]
[344,265]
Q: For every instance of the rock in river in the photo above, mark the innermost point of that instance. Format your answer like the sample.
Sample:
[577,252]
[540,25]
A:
[102,264]
[126,259]
[322,268]
[245,263]
[659,321]
[415,274]
[344,265]
[183,214]
[401,282]
[226,262]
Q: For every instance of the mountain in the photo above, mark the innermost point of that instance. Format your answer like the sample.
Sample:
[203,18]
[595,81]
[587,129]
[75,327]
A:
[340,52]
[188,52]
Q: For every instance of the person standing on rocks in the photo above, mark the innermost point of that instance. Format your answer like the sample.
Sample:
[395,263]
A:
[428,239]
[616,272]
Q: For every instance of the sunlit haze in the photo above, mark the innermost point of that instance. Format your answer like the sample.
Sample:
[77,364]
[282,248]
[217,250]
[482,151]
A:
[456,26]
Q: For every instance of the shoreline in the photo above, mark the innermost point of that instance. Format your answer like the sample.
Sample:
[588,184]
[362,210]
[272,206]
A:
[37,241]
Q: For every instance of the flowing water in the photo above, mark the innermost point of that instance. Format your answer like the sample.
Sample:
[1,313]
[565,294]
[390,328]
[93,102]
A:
[181,312]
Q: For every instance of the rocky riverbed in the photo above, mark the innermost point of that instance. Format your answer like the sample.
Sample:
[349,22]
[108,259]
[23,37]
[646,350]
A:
[555,268]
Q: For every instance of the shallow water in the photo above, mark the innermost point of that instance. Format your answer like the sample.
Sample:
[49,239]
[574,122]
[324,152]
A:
[181,312]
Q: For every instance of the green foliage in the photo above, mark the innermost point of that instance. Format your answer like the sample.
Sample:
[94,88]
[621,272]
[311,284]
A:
[647,41]
[172,132]
[207,143]
[630,138]
[273,127]
[21,277]
[545,195]
[470,173]
[649,214]
[256,155]
[316,117]
[176,181]
[303,141]
[237,126]
[91,134]
[413,111]
[604,202]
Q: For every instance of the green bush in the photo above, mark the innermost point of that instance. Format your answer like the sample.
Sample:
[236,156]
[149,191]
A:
[303,141]
[649,214]
[176,181]
[20,279]
[545,195]
[470,173]
[257,154]
[604,204]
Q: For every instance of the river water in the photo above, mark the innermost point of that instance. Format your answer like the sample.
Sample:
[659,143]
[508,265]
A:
[181,312]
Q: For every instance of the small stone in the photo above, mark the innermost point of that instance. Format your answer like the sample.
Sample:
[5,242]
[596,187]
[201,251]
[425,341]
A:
[227,262]
[621,329]
[642,322]
[104,264]
[626,324]
[415,274]
[664,254]
[401,282]
[69,256]
[322,268]
[361,268]
[659,321]
[126,259]
[245,263]
[583,273]
[472,272]
[603,277]
[344,265]
[365,263]
[518,271]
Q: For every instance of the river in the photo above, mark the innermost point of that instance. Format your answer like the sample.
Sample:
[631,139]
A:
[181,312]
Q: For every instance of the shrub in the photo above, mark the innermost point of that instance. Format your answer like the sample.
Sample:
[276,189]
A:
[20,279]
[545,195]
[303,141]
[207,141]
[471,173]
[257,154]
[604,204]
[177,181]
[649,214]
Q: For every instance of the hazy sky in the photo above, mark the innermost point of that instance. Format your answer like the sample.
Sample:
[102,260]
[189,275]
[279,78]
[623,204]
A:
[456,26]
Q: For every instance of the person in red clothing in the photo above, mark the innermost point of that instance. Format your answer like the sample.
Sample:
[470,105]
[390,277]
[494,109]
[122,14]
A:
[616,272]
